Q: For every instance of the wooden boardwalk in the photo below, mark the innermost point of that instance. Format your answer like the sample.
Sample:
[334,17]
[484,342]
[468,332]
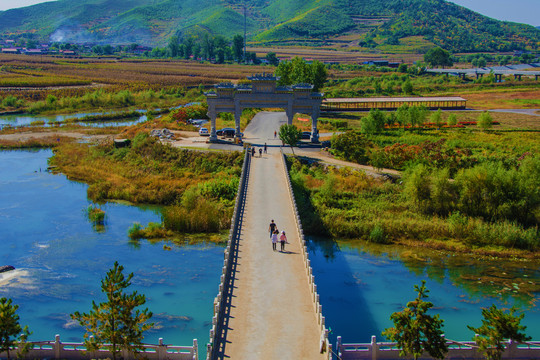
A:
[271,313]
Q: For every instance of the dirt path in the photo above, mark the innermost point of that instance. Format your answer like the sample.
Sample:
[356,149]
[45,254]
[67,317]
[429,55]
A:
[272,313]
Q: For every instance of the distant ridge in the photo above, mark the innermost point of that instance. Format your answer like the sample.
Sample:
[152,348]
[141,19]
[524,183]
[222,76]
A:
[350,23]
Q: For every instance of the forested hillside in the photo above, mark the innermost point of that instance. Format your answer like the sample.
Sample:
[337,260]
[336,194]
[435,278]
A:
[363,23]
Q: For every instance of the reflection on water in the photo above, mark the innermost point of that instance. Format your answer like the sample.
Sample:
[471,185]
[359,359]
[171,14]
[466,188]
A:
[51,120]
[60,259]
[361,284]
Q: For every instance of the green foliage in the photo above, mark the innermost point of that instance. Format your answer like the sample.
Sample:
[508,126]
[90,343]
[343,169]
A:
[351,146]
[10,329]
[351,205]
[377,235]
[290,135]
[374,122]
[415,331]
[408,87]
[452,120]
[436,117]
[95,214]
[238,47]
[117,321]
[498,326]
[272,58]
[152,231]
[298,71]
[485,121]
[136,231]
[278,20]
[438,57]
[488,191]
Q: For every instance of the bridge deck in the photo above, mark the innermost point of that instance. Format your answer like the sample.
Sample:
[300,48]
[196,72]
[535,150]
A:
[272,315]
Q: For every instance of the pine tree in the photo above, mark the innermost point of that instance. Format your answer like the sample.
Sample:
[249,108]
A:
[415,331]
[496,327]
[10,328]
[116,321]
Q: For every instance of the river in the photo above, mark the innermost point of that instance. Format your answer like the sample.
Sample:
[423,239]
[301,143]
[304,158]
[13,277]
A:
[60,259]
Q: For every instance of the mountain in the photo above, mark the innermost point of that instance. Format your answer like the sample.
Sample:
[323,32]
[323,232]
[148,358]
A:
[381,24]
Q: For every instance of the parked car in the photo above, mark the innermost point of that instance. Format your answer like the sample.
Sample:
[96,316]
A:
[204,132]
[227,132]
[306,135]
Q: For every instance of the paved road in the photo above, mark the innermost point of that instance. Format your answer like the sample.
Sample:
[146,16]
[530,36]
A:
[272,314]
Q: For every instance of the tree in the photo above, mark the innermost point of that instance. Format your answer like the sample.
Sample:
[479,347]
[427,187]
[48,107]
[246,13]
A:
[408,87]
[436,117]
[290,135]
[272,58]
[374,122]
[482,62]
[318,75]
[438,57]
[173,46]
[300,72]
[297,71]
[417,115]
[283,71]
[485,121]
[238,47]
[452,120]
[10,328]
[116,321]
[415,331]
[496,327]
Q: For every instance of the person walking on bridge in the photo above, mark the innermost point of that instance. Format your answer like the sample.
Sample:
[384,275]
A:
[274,238]
[272,227]
[283,240]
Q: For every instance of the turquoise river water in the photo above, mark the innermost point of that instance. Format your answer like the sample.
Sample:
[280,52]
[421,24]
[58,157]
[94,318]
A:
[60,259]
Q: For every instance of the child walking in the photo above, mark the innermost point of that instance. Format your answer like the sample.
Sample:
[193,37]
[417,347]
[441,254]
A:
[283,240]
[274,239]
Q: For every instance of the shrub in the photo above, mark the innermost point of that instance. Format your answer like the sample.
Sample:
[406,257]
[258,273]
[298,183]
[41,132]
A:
[95,215]
[452,120]
[377,235]
[485,121]
[135,231]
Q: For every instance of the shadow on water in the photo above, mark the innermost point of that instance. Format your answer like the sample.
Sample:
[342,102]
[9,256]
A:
[341,291]
[362,284]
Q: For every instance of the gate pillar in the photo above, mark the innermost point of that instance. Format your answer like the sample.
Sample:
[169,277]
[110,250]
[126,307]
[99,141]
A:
[212,115]
[237,117]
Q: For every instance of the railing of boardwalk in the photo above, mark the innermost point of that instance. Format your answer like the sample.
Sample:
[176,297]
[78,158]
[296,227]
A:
[57,349]
[324,342]
[222,300]
[456,350]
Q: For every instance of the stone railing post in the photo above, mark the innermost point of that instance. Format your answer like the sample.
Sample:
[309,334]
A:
[161,350]
[374,348]
[195,350]
[57,346]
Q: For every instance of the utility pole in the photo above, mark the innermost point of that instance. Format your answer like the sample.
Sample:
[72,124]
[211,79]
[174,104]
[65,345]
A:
[245,34]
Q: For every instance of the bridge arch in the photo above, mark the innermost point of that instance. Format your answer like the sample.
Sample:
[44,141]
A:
[263,93]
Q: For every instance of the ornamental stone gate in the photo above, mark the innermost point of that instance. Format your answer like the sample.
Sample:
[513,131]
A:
[264,93]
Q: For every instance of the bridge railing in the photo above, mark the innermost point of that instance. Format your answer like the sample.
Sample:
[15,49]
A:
[324,343]
[456,350]
[220,302]
[57,349]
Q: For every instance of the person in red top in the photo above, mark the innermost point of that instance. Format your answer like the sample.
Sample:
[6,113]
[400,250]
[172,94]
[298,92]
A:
[283,240]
